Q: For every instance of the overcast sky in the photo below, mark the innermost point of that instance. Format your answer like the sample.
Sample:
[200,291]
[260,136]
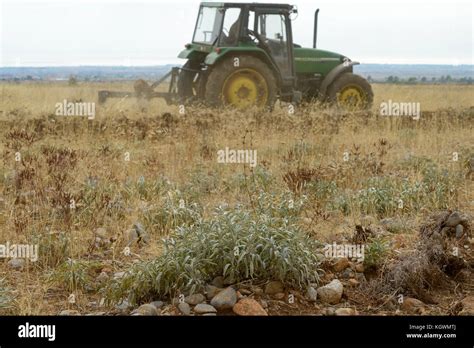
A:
[152,32]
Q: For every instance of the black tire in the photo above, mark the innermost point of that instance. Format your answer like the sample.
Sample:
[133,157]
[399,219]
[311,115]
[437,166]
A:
[186,81]
[350,80]
[219,74]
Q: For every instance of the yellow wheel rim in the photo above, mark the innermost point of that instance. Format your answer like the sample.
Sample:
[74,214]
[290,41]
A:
[245,88]
[352,98]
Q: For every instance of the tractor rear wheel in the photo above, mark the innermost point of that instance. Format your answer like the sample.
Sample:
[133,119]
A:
[250,83]
[351,92]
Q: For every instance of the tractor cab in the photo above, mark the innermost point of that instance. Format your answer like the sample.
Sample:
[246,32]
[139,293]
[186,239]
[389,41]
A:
[222,27]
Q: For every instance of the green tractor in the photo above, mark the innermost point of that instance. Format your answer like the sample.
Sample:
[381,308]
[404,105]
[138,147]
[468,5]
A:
[243,55]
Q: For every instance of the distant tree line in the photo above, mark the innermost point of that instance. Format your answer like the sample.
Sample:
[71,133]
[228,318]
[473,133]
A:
[424,80]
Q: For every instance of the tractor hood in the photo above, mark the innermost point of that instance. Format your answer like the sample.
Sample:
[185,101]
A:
[315,61]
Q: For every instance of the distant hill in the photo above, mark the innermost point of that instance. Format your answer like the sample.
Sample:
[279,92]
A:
[377,72]
[92,73]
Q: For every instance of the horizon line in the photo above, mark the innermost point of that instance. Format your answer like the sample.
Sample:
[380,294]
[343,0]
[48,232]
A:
[166,64]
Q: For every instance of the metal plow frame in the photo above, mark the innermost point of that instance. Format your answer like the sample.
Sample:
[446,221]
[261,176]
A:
[171,96]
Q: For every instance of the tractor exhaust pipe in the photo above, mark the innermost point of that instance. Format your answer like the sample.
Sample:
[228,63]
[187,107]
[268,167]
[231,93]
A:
[315,34]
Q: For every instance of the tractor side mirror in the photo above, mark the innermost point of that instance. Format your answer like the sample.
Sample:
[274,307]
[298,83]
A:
[293,13]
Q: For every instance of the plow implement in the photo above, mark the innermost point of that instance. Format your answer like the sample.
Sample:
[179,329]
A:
[143,90]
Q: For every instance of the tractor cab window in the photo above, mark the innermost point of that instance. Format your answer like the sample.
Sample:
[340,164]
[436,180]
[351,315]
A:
[272,30]
[231,27]
[208,25]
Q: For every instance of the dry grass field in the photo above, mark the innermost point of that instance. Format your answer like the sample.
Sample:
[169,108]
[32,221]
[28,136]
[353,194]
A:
[133,206]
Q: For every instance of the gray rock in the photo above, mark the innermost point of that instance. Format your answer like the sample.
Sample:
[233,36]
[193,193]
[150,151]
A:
[203,308]
[146,310]
[16,264]
[209,314]
[274,287]
[124,305]
[194,299]
[454,219]
[459,231]
[142,234]
[218,282]
[184,308]
[312,294]
[332,292]
[212,291]
[158,304]
[225,299]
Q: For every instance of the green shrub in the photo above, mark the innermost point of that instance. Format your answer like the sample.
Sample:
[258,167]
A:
[175,210]
[201,182]
[237,243]
[375,253]
[322,190]
[54,248]
[380,198]
[388,196]
[259,179]
[74,274]
[441,187]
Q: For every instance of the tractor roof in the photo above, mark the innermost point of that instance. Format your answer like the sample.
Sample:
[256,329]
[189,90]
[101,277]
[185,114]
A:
[251,5]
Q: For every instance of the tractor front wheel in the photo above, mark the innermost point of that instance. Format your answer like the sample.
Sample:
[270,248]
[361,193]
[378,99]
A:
[351,92]
[241,82]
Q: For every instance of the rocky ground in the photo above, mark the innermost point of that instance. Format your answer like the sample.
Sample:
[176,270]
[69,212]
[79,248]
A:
[347,286]
[103,198]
